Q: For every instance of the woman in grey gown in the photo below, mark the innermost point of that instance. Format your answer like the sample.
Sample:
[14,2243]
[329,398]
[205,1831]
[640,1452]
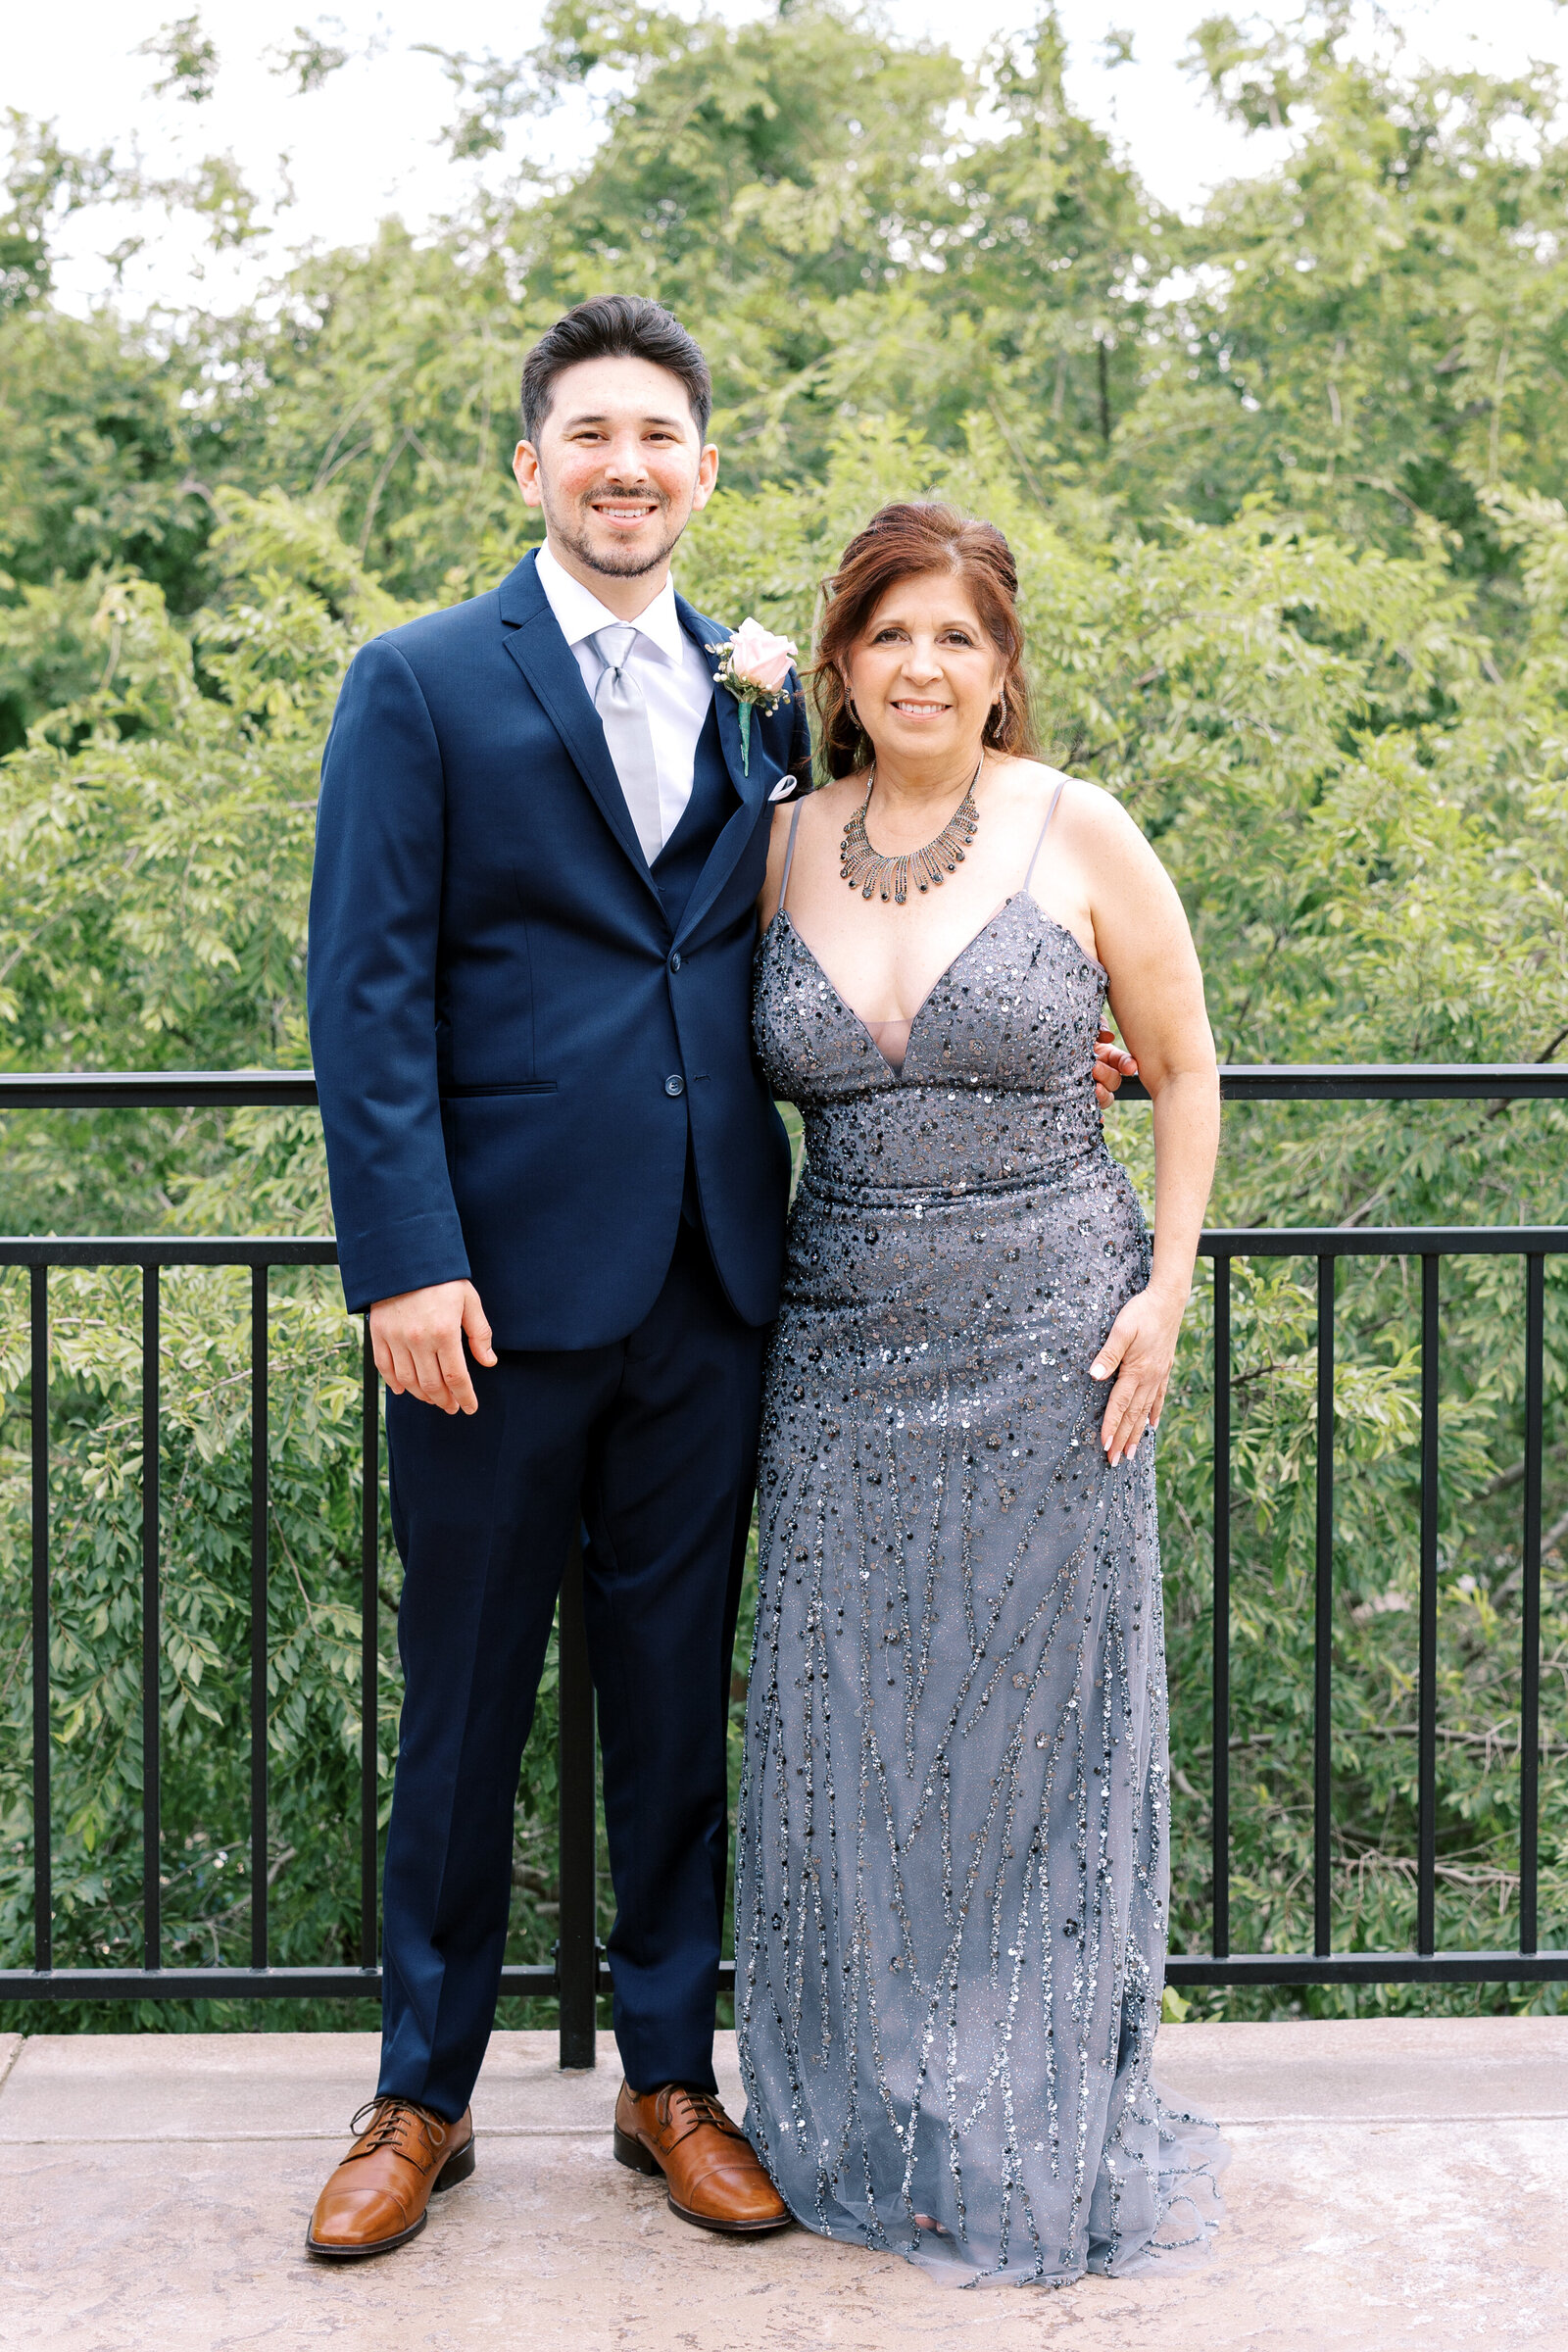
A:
[951,1872]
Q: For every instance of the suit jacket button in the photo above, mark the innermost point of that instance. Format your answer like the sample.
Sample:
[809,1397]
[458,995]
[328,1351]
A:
[674,961]
[675,1085]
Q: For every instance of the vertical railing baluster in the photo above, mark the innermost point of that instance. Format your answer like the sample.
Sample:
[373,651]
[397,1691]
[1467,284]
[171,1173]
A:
[369,1647]
[577,1952]
[1427,1720]
[259,1616]
[44,1940]
[151,1648]
[1222,1609]
[1529,1632]
[1323,1623]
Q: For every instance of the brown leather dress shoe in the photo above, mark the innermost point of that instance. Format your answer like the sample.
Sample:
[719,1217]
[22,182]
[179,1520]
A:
[377,2200]
[712,2172]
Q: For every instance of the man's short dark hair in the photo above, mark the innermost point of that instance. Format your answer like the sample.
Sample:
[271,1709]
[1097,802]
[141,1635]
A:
[614,327]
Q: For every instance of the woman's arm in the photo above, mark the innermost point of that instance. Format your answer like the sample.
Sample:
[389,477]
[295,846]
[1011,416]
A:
[799,767]
[772,879]
[1157,993]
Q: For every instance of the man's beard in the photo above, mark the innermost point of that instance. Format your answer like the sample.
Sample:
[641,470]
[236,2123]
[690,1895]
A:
[615,566]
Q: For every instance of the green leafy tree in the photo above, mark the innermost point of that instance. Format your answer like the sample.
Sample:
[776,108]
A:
[1375,332]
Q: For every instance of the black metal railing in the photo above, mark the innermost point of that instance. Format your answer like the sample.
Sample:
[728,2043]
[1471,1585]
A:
[1327,1244]
[578,1974]
[153,1981]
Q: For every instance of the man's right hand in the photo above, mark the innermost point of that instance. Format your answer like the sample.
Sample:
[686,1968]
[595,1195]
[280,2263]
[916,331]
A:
[417,1338]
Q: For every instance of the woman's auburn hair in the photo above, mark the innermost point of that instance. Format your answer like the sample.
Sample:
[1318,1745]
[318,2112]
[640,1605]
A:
[903,541]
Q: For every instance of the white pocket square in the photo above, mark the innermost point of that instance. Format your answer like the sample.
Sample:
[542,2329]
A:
[782,789]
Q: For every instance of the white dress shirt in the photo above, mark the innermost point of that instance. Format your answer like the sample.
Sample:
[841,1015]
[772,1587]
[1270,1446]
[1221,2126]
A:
[674,673]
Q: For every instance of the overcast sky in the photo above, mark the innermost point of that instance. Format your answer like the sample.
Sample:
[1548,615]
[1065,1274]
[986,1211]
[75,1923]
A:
[362,146]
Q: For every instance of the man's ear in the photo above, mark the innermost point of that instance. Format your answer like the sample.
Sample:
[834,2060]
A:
[707,477]
[525,468]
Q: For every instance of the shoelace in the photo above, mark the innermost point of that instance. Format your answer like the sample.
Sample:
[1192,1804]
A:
[686,2111]
[392,2118]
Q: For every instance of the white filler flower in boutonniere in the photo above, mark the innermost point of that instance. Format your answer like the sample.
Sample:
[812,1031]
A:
[752,665]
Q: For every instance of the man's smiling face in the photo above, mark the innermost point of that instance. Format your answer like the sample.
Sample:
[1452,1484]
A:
[619,467]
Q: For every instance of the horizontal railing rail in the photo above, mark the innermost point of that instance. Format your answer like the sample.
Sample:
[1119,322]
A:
[1240,1082]
[155,1090]
[578,1974]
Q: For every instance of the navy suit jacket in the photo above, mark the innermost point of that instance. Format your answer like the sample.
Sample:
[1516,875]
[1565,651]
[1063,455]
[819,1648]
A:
[512,1046]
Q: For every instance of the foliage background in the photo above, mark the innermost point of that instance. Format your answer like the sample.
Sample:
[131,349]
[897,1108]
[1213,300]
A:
[1283,484]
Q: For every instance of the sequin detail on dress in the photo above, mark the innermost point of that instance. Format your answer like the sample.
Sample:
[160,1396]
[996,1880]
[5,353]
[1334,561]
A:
[952,1866]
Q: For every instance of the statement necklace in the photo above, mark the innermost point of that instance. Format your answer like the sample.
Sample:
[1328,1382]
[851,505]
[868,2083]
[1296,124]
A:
[866,869]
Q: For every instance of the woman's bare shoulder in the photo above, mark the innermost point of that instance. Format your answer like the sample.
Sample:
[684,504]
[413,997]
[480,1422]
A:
[825,803]
[1087,810]
[1034,790]
[821,814]
[838,793]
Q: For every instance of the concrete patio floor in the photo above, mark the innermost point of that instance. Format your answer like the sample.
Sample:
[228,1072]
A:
[1392,2184]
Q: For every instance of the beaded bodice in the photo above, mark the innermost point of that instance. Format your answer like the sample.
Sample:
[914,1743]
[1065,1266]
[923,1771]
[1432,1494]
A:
[996,1086]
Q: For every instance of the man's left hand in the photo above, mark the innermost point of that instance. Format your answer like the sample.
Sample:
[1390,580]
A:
[1112,1063]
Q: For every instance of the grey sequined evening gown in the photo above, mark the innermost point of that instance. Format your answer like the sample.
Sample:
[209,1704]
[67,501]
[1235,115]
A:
[951,1864]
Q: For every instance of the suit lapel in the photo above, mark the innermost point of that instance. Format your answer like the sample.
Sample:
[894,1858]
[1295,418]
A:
[535,642]
[752,790]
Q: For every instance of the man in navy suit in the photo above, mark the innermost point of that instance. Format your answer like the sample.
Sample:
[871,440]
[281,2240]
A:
[559,1184]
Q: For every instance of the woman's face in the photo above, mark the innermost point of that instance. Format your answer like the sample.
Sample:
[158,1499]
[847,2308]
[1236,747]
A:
[924,674]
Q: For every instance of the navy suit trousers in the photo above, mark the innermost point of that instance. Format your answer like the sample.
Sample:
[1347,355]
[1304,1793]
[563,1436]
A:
[652,1439]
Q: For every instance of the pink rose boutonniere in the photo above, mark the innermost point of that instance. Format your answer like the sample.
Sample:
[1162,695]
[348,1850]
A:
[752,665]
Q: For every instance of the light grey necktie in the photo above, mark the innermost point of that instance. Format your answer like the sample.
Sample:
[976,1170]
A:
[618,700]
